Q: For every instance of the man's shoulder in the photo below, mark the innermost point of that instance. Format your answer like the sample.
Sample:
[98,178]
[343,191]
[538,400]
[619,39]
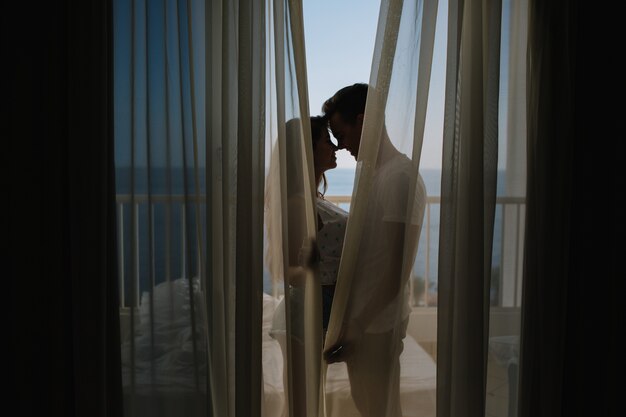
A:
[396,165]
[397,169]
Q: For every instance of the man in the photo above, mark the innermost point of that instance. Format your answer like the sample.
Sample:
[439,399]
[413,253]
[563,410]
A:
[378,311]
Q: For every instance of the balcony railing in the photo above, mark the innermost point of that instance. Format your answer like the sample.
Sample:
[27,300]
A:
[137,269]
[508,245]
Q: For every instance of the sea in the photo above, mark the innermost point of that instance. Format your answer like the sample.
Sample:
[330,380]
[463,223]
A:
[156,266]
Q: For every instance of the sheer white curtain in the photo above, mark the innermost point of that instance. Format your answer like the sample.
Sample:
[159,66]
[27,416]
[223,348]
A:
[195,83]
[291,371]
[189,128]
[483,208]
[467,209]
[392,136]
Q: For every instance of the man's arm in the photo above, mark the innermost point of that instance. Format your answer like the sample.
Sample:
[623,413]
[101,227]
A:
[392,282]
[302,251]
[390,285]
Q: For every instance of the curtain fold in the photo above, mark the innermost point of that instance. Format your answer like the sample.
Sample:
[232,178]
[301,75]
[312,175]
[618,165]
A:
[59,231]
[295,325]
[249,220]
[468,191]
[573,285]
[189,133]
[60,144]
[220,289]
[549,234]
[90,214]
[392,135]
[417,22]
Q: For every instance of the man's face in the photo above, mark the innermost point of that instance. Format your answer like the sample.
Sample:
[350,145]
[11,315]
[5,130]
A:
[348,135]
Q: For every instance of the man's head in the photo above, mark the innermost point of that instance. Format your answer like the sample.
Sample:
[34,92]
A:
[344,112]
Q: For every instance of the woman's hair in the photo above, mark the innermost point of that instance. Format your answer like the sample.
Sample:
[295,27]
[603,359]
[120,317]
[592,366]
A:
[293,182]
[318,125]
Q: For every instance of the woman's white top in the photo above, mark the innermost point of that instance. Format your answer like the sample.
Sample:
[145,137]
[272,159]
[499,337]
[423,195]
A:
[330,244]
[330,239]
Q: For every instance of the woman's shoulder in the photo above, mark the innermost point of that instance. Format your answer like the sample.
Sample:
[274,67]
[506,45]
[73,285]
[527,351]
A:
[328,208]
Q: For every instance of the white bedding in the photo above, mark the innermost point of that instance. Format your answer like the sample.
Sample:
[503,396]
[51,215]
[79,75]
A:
[417,378]
[171,374]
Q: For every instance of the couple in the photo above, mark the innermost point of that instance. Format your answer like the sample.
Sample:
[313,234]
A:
[378,311]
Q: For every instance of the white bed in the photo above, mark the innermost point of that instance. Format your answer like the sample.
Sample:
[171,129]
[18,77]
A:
[167,383]
[417,377]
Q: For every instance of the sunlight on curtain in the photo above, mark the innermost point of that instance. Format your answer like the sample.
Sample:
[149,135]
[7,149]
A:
[510,217]
[387,170]
[482,212]
[292,314]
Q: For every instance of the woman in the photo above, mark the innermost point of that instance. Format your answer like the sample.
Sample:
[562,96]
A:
[331,220]
[331,225]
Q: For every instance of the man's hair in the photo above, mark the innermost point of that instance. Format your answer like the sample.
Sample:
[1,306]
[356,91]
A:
[318,125]
[349,102]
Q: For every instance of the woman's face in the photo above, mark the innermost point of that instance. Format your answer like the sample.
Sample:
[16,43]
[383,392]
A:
[324,156]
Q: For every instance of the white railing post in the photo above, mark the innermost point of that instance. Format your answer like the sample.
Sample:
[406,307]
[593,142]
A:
[183,218]
[136,277]
[120,246]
